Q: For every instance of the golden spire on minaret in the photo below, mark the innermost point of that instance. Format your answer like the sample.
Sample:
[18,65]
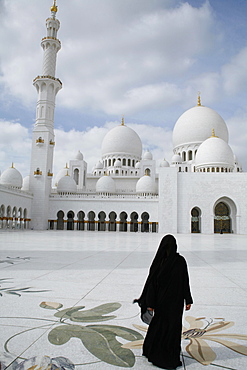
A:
[199,99]
[54,7]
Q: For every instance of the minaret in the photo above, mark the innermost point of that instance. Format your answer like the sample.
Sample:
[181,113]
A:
[47,86]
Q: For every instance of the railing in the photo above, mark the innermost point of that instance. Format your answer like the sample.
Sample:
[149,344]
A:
[102,196]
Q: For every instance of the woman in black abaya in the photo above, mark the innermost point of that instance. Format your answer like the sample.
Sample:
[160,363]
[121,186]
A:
[165,292]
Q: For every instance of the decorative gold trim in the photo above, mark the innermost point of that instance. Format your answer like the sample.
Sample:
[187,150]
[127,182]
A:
[122,120]
[37,172]
[52,142]
[49,77]
[54,7]
[49,173]
[199,99]
[50,38]
[40,140]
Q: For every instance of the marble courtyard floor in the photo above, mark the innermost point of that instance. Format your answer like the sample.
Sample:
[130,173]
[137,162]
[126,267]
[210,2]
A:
[67,295]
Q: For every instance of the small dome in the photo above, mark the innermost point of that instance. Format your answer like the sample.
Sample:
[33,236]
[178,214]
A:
[145,185]
[214,152]
[148,155]
[106,184]
[118,163]
[66,185]
[99,166]
[61,174]
[25,184]
[164,163]
[11,177]
[176,159]
[79,156]
[122,140]
[195,125]
[138,165]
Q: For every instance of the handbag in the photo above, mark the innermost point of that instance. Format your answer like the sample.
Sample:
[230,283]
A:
[147,316]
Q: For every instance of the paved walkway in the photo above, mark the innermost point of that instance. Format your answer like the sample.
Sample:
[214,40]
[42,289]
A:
[47,277]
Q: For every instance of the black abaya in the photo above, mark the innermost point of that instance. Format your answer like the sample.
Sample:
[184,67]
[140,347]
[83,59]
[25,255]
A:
[166,291]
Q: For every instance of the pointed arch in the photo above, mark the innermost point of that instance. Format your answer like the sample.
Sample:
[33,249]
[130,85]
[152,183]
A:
[112,221]
[225,211]
[195,220]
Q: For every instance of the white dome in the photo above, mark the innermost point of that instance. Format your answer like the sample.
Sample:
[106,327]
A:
[148,155]
[106,185]
[99,166]
[79,156]
[25,184]
[117,163]
[145,185]
[66,185]
[11,177]
[176,158]
[196,124]
[122,140]
[138,165]
[214,152]
[61,174]
[164,163]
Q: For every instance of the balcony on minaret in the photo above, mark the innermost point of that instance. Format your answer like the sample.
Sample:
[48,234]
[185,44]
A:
[40,141]
[37,173]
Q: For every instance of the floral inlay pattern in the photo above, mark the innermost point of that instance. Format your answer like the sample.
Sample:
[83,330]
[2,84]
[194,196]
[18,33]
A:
[16,291]
[198,333]
[100,340]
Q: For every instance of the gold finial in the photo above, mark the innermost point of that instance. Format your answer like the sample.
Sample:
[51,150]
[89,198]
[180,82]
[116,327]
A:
[67,174]
[12,166]
[199,99]
[213,133]
[122,120]
[66,166]
[54,7]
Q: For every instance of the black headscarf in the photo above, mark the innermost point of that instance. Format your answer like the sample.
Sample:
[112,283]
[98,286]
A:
[161,266]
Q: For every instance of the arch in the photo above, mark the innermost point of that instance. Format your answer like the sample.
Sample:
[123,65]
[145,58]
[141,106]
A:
[134,222]
[2,218]
[145,222]
[195,220]
[101,221]
[80,220]
[225,212]
[183,156]
[112,221]
[147,171]
[70,220]
[190,155]
[91,221]
[15,218]
[60,220]
[123,221]
[124,161]
[76,175]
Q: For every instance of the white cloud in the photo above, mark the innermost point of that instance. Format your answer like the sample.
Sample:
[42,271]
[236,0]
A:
[15,146]
[124,47]
[234,74]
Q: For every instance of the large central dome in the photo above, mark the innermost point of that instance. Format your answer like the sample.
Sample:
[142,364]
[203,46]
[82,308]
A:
[122,140]
[195,126]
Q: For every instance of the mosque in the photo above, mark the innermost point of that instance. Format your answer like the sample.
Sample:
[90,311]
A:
[202,190]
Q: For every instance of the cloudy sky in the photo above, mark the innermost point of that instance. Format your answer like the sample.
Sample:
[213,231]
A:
[146,59]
